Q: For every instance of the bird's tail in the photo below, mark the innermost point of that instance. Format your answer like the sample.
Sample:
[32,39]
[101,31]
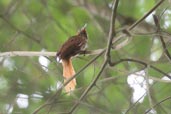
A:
[68,72]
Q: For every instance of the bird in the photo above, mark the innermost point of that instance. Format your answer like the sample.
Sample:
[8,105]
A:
[73,46]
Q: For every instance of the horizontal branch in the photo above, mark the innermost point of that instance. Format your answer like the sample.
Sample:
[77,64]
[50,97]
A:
[112,64]
[119,42]
[26,53]
[35,53]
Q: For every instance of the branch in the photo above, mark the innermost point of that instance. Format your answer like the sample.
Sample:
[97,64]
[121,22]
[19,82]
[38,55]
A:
[87,52]
[159,80]
[158,104]
[127,59]
[35,53]
[140,62]
[112,31]
[26,53]
[148,88]
[156,20]
[146,15]
[123,40]
[132,106]
[160,71]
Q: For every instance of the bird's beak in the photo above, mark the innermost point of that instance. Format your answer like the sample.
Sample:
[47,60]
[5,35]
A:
[83,28]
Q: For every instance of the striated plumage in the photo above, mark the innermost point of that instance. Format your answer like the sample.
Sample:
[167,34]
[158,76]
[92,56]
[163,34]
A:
[70,48]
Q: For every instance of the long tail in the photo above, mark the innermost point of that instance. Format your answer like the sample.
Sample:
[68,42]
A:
[68,72]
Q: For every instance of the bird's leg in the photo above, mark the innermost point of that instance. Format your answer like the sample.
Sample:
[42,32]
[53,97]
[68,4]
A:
[82,52]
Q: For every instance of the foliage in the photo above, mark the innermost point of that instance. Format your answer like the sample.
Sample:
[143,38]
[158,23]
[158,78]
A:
[36,25]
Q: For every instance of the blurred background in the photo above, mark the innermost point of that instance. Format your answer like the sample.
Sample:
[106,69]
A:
[43,25]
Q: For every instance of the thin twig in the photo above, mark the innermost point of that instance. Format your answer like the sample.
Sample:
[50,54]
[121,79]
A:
[144,16]
[127,111]
[158,104]
[159,80]
[160,71]
[156,20]
[127,59]
[112,64]
[148,87]
[112,30]
[121,41]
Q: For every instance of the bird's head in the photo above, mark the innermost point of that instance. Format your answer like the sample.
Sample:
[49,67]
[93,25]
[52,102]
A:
[83,32]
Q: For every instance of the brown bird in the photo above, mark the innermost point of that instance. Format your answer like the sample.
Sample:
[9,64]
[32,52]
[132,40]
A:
[73,46]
